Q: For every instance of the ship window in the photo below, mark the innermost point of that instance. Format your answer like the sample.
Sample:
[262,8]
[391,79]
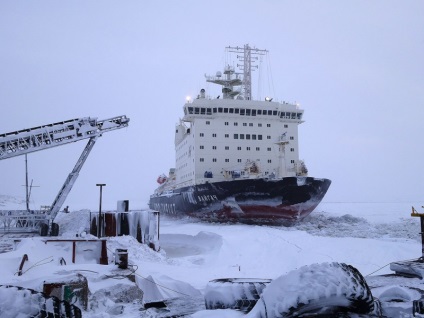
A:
[231,110]
[286,126]
[190,110]
[241,136]
[219,109]
[201,134]
[259,125]
[244,124]
[254,137]
[299,115]
[247,112]
[196,110]
[209,111]
[291,161]
[214,147]
[236,111]
[226,110]
[202,147]
[268,125]
[214,109]
[235,136]
[268,137]
[293,115]
[214,159]
[291,149]
[242,111]
[227,148]
[238,148]
[247,148]
[227,160]
[235,124]
[269,148]
[291,138]
[176,131]
[202,159]
[247,136]
[227,136]
[259,137]
[259,111]
[208,122]
[251,124]
[275,113]
[202,111]
[253,112]
[269,160]
[257,148]
[226,123]
[269,112]
[238,160]
[213,135]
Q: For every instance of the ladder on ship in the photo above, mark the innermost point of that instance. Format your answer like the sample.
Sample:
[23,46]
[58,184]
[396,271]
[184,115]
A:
[26,141]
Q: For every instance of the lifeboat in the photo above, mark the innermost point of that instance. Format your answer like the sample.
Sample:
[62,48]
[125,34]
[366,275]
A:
[161,179]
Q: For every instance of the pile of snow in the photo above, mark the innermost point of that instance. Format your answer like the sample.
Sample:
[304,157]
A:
[326,288]
[347,225]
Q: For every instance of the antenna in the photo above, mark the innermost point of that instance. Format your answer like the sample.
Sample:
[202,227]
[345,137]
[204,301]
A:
[247,60]
[28,188]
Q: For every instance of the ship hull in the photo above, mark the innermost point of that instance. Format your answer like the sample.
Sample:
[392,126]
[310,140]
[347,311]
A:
[290,199]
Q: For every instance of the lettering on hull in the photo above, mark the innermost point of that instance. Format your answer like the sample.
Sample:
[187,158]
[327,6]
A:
[207,198]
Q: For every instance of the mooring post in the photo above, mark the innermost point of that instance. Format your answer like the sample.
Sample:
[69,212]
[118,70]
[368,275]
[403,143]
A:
[421,216]
[103,255]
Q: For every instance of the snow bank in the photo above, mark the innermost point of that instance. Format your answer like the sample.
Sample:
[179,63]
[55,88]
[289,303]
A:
[319,288]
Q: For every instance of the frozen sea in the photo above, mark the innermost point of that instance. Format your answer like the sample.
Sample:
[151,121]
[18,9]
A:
[368,236]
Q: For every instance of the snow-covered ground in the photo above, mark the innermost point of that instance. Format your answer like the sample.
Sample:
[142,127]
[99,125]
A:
[368,236]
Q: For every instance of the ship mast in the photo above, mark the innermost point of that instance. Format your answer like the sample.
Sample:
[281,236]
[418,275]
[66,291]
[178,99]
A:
[247,60]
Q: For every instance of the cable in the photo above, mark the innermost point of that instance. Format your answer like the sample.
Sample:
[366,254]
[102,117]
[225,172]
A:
[406,260]
[37,264]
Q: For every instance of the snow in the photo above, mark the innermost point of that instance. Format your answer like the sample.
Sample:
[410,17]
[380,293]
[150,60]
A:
[366,236]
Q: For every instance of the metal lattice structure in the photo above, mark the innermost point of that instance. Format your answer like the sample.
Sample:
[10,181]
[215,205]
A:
[247,58]
[25,141]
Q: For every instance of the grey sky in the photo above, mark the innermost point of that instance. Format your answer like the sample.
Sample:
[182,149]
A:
[356,68]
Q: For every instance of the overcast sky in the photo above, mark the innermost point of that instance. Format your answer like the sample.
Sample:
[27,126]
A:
[356,68]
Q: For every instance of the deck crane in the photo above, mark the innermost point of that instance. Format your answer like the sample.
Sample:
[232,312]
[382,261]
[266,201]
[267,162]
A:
[25,141]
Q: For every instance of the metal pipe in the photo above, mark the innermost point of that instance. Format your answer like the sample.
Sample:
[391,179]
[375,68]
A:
[100,223]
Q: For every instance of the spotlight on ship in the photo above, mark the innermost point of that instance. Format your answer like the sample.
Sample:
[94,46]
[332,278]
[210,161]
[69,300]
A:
[268,99]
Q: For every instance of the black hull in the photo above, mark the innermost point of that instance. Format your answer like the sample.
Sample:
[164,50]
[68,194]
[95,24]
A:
[290,198]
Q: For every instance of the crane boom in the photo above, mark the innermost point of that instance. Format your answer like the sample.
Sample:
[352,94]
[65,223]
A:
[24,141]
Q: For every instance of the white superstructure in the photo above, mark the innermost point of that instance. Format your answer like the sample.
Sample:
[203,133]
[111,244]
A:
[219,140]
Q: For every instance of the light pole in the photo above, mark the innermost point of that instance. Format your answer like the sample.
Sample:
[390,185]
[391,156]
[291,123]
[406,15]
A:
[99,231]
